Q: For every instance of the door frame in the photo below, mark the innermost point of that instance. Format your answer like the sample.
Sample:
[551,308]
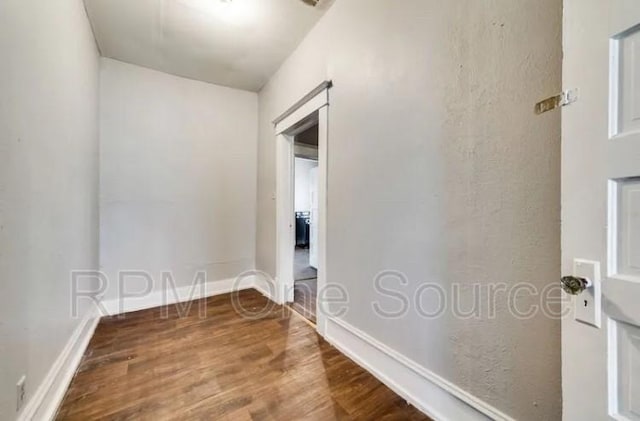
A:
[312,109]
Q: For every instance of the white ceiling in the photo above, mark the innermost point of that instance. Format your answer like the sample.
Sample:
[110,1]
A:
[237,43]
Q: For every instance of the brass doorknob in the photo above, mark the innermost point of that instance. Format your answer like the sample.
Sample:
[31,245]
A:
[574,285]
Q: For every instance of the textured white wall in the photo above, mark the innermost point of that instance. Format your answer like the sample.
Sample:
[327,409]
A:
[303,184]
[432,131]
[178,176]
[48,182]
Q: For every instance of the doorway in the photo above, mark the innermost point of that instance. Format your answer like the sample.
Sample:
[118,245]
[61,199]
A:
[305,270]
[303,126]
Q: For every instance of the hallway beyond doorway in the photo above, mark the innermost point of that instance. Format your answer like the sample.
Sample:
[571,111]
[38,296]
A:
[306,286]
[303,270]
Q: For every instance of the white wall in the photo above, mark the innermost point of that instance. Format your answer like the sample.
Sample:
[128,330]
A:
[48,182]
[178,176]
[302,193]
[432,131]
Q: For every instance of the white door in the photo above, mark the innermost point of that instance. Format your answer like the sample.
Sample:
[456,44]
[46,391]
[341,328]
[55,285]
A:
[313,229]
[601,209]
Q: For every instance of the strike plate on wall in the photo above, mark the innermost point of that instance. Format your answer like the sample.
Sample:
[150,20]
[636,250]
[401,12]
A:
[561,100]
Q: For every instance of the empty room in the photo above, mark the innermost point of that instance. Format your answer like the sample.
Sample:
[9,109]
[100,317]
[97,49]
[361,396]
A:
[319,210]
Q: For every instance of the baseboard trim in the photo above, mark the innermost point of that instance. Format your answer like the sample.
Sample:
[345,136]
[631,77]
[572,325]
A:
[182,294]
[266,288]
[44,404]
[430,393]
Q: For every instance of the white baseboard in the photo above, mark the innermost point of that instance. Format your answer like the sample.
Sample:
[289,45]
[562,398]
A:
[265,287]
[430,393]
[181,294]
[44,404]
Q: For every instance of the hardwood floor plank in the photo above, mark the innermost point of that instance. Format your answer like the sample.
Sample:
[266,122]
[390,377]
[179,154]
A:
[209,362]
[305,295]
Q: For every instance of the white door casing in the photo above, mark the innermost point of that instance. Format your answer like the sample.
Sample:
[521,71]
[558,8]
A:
[285,218]
[313,225]
[601,206]
[312,109]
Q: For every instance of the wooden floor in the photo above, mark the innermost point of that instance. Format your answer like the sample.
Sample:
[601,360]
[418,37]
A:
[222,367]
[305,295]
